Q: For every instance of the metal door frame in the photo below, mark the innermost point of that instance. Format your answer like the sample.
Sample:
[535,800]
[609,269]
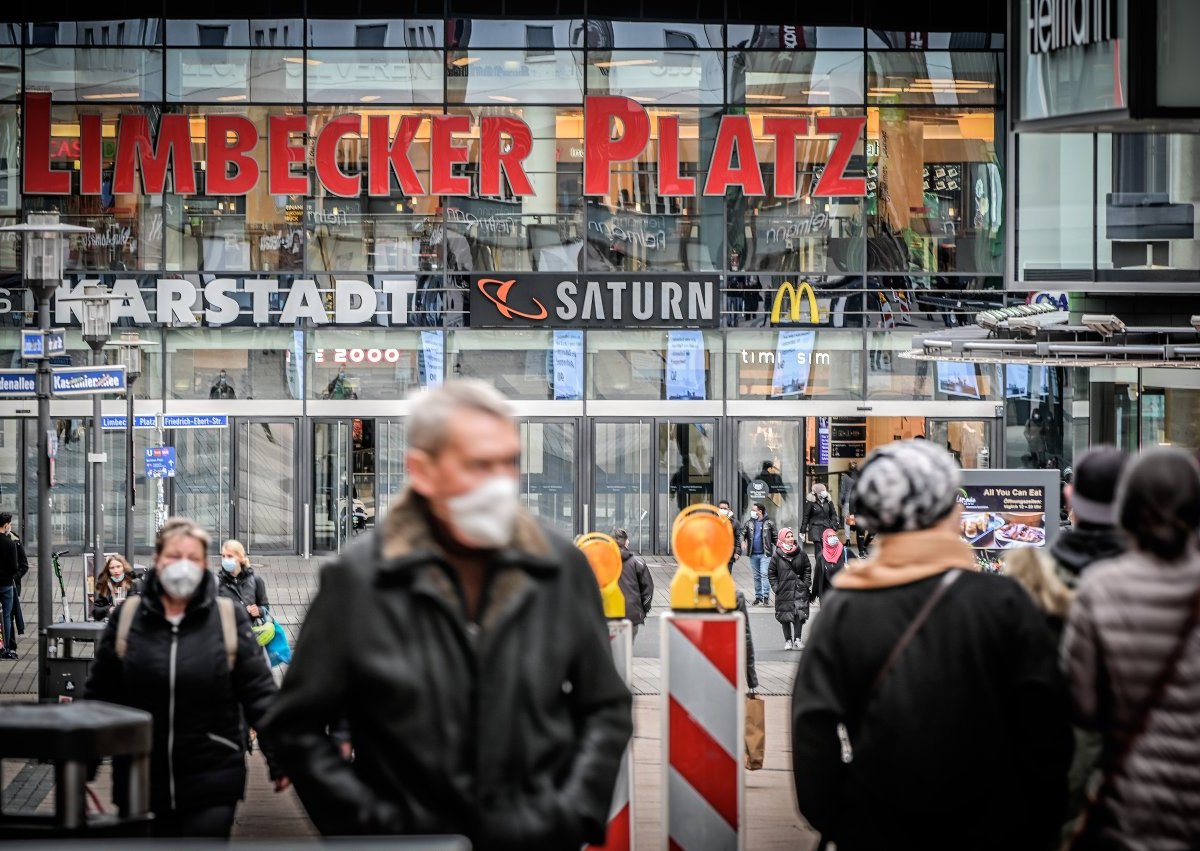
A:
[732,485]
[580,510]
[343,535]
[995,440]
[235,484]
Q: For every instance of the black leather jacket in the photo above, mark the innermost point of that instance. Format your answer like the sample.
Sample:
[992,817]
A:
[769,534]
[509,731]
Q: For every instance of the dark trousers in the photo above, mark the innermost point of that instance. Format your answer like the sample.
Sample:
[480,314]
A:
[215,822]
[7,596]
[791,631]
[818,586]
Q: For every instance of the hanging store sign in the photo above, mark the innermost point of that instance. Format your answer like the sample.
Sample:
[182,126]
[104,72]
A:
[536,300]
[616,130]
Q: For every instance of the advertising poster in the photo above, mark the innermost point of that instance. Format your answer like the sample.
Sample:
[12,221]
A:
[958,379]
[793,356]
[1007,509]
[567,365]
[685,365]
[431,358]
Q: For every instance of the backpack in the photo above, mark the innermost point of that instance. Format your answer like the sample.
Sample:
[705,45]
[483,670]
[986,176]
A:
[228,627]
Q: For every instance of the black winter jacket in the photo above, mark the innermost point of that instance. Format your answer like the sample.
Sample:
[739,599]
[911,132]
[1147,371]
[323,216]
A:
[968,736]
[819,515]
[791,579]
[198,758]
[245,589]
[751,671]
[105,602]
[10,563]
[1078,548]
[509,731]
[769,534]
[637,585]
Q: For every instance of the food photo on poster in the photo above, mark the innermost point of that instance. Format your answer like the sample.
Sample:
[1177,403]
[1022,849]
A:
[1004,509]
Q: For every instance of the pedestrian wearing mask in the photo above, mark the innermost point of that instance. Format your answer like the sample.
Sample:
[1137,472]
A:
[758,541]
[790,573]
[727,513]
[929,693]
[465,646]
[113,585]
[189,658]
[238,581]
[1132,651]
[820,514]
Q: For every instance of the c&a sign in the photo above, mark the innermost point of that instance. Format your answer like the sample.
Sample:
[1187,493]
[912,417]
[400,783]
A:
[546,300]
[792,294]
[616,130]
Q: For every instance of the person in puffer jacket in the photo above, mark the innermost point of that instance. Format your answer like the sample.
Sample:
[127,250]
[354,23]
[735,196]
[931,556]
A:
[1132,654]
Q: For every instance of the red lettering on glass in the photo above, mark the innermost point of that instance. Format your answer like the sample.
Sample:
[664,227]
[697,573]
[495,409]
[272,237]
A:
[40,179]
[600,149]
[670,182]
[384,157]
[328,172]
[137,152]
[281,154]
[91,168]
[735,132]
[786,131]
[833,182]
[492,157]
[218,129]
[444,154]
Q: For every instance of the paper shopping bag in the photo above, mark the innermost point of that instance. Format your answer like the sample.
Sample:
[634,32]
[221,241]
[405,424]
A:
[756,732]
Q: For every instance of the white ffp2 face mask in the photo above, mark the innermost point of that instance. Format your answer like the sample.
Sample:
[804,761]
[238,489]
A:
[181,578]
[486,515]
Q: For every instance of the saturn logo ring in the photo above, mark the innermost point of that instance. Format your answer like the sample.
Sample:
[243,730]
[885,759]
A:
[499,297]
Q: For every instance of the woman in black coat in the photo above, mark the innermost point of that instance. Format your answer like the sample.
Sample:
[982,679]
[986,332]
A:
[790,575]
[175,663]
[113,585]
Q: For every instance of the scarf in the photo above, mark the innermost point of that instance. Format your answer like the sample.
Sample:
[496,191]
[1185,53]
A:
[831,552]
[899,558]
[781,543]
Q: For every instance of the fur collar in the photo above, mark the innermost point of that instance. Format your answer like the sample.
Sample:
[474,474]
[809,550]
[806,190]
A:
[904,557]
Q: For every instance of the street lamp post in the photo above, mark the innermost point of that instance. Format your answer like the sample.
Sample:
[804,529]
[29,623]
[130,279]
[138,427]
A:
[130,345]
[42,254]
[97,328]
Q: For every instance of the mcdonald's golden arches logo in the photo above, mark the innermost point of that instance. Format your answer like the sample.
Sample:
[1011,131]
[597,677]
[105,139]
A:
[793,293]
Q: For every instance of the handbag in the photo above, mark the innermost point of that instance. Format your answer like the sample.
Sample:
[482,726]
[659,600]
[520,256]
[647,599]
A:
[1085,832]
[279,652]
[756,732]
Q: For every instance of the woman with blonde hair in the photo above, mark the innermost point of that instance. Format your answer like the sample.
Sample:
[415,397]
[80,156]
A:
[1034,571]
[238,581]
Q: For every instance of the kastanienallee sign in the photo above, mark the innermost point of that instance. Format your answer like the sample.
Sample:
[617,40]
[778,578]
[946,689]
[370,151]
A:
[616,130]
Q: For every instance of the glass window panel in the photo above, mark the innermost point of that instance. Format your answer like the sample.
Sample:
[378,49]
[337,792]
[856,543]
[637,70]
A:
[794,364]
[769,450]
[10,180]
[229,363]
[1054,203]
[514,76]
[890,376]
[128,228]
[95,74]
[266,477]
[788,37]
[10,72]
[235,76]
[370,363]
[253,232]
[664,77]
[549,461]
[128,31]
[943,79]
[520,364]
[935,191]
[886,39]
[762,78]
[604,35]
[1036,400]
[202,482]
[750,300]
[646,364]
[463,33]
[267,32]
[371,33]
[375,76]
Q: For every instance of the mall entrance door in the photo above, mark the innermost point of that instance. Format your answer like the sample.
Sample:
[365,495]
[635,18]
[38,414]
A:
[645,471]
[358,470]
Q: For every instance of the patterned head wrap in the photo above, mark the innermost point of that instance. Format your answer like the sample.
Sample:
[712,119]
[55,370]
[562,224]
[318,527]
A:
[906,486]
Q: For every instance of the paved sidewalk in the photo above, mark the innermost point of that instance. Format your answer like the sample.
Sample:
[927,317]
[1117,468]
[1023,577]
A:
[291,583]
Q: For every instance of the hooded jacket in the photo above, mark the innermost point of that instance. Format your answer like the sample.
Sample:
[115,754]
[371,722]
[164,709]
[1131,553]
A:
[790,577]
[967,737]
[637,586]
[180,675]
[1127,617]
[1081,546]
[508,730]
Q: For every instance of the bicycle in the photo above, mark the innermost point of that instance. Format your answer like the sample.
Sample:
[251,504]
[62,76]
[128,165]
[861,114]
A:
[54,561]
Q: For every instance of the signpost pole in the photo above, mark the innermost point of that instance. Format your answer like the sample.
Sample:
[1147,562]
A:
[97,472]
[130,538]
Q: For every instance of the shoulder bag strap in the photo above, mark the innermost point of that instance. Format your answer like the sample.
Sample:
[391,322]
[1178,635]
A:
[228,629]
[125,623]
[948,579]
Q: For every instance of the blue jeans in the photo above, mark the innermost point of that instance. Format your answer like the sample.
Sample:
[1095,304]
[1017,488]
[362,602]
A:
[7,595]
[758,570]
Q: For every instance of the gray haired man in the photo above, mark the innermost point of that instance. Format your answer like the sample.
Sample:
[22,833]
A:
[464,647]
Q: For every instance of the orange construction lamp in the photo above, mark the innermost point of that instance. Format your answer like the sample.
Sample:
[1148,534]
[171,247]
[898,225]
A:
[604,556]
[702,541]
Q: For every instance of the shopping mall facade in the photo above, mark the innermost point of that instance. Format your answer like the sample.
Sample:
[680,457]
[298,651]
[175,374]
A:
[691,252]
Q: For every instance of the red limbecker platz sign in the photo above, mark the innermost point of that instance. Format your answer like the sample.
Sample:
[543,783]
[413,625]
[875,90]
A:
[616,130]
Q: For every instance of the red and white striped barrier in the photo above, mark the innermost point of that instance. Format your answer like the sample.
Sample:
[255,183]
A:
[620,815]
[704,666]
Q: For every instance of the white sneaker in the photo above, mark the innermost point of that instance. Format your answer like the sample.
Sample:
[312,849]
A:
[787,645]
[799,645]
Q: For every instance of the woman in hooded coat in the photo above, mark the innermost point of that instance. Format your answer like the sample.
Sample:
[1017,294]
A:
[790,574]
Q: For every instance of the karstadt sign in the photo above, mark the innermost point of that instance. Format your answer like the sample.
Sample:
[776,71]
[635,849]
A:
[616,130]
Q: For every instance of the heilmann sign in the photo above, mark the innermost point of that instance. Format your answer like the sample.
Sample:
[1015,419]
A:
[616,130]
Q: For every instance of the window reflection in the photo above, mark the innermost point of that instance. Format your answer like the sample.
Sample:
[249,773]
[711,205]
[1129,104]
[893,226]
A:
[794,364]
[633,364]
[362,364]
[230,363]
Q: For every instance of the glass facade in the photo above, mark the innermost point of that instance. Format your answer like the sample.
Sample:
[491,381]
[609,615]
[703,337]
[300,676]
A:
[308,315]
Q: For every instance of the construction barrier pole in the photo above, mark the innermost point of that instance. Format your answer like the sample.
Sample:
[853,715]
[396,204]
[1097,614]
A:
[621,819]
[703,711]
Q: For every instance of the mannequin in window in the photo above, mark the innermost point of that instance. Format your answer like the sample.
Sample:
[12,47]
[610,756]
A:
[222,388]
